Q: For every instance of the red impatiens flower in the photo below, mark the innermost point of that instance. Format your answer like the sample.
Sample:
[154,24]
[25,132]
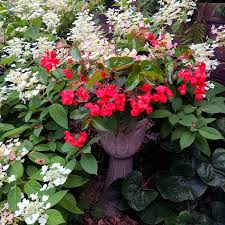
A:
[182,89]
[146,87]
[82,94]
[67,97]
[76,142]
[49,61]
[68,73]
[149,37]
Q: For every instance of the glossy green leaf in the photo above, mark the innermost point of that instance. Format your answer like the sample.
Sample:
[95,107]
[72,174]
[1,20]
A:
[89,163]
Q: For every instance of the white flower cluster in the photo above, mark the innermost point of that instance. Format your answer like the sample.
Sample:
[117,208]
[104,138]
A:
[10,151]
[204,52]
[25,82]
[3,175]
[25,50]
[90,38]
[124,22]
[171,10]
[209,85]
[49,10]
[33,210]
[19,48]
[55,175]
[6,216]
[220,34]
[3,95]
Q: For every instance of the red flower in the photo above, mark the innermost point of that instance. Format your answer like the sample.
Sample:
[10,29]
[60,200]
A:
[82,94]
[94,109]
[49,61]
[182,89]
[67,97]
[103,74]
[146,87]
[68,73]
[149,37]
[76,142]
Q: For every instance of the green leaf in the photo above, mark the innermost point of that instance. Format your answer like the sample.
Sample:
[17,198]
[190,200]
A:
[169,69]
[14,196]
[55,198]
[6,127]
[95,77]
[15,132]
[213,108]
[105,124]
[75,53]
[8,60]
[32,187]
[132,81]
[202,145]
[137,198]
[187,139]
[174,118]
[161,113]
[210,133]
[119,63]
[180,188]
[177,103]
[188,120]
[189,109]
[16,169]
[58,114]
[89,163]
[155,213]
[74,181]
[70,204]
[39,158]
[78,114]
[54,217]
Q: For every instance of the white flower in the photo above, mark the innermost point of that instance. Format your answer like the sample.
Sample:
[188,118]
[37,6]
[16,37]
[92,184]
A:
[54,175]
[209,85]
[33,210]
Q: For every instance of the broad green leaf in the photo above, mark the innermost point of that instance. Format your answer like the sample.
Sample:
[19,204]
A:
[58,113]
[70,204]
[55,198]
[89,163]
[189,109]
[54,217]
[138,199]
[78,114]
[179,188]
[188,120]
[32,187]
[202,145]
[8,60]
[16,169]
[39,158]
[95,77]
[6,127]
[213,108]
[74,181]
[187,139]
[161,113]
[210,133]
[105,124]
[14,196]
[119,63]
[15,132]
[132,81]
[177,103]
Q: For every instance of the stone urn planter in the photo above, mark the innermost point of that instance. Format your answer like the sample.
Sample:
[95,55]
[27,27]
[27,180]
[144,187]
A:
[120,148]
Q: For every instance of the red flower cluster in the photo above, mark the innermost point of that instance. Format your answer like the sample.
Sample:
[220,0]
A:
[68,73]
[109,101]
[76,142]
[68,96]
[155,42]
[197,79]
[49,61]
[142,103]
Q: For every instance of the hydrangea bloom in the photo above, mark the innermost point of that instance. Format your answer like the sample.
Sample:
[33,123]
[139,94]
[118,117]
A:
[33,210]
[55,175]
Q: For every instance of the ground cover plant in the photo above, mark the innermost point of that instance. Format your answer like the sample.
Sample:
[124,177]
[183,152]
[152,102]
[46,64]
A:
[66,83]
